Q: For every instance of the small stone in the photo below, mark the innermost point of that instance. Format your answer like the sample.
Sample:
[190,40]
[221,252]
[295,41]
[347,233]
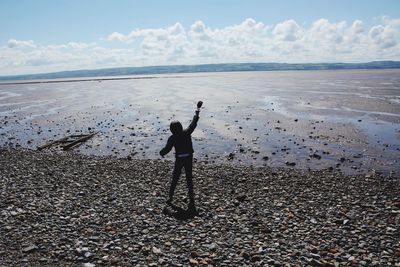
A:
[244,255]
[315,255]
[316,156]
[193,261]
[213,246]
[156,250]
[255,258]
[241,198]
[194,254]
[29,249]
[317,263]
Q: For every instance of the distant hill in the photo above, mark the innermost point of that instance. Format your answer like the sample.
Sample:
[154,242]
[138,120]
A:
[205,68]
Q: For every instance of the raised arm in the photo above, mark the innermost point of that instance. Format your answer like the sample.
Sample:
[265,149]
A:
[193,124]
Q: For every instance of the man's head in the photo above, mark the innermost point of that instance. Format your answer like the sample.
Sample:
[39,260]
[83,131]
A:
[176,127]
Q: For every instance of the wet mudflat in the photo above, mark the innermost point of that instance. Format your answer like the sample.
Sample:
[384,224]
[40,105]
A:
[342,120]
[76,210]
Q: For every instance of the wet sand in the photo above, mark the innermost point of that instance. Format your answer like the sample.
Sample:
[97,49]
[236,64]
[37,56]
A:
[345,121]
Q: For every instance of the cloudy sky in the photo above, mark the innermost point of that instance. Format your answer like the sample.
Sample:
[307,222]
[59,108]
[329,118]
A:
[55,35]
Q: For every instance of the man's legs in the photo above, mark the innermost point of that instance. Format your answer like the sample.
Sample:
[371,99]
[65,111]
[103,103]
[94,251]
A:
[189,180]
[175,177]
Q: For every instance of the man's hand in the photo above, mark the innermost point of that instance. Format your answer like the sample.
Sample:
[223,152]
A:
[199,104]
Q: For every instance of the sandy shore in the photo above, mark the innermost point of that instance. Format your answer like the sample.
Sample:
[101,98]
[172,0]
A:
[75,210]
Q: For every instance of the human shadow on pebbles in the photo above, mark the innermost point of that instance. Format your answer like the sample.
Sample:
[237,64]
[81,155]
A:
[179,213]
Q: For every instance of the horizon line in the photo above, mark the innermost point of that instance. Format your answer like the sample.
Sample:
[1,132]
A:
[357,65]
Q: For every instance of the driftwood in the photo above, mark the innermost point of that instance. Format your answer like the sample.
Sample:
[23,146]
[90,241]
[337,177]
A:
[68,141]
[52,143]
[78,141]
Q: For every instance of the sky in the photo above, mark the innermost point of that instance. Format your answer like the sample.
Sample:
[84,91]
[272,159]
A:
[55,35]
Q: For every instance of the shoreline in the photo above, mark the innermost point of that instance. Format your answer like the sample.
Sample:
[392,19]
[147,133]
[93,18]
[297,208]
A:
[75,210]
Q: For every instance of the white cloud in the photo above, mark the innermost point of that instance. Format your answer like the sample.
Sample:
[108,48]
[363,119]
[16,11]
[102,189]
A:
[357,27]
[383,36]
[12,43]
[116,36]
[248,41]
[288,30]
[71,45]
[324,31]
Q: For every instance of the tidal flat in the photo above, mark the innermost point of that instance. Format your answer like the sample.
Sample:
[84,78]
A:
[339,120]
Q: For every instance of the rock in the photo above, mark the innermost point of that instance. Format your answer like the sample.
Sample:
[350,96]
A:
[194,254]
[88,254]
[213,247]
[244,255]
[316,156]
[241,198]
[317,263]
[156,250]
[255,258]
[29,249]
[193,261]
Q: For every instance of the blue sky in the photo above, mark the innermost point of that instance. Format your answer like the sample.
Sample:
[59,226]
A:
[85,20]
[32,31]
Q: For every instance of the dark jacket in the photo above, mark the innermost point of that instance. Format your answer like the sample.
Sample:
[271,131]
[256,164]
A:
[181,141]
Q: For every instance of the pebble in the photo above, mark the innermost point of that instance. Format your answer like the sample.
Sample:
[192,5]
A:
[29,249]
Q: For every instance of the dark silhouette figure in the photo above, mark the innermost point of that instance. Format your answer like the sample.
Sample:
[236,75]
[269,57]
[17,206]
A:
[181,139]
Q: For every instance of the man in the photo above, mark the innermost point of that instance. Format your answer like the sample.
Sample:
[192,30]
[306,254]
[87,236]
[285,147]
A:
[182,141]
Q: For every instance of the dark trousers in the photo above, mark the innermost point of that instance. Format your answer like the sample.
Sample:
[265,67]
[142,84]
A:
[187,163]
